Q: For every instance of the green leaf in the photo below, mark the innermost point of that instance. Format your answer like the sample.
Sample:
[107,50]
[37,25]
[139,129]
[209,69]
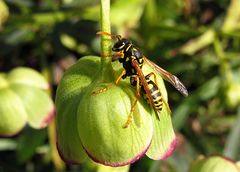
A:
[27,76]
[123,16]
[7,144]
[12,113]
[68,41]
[29,142]
[206,91]
[196,44]
[37,103]
[20,35]
[231,149]
[231,21]
[213,164]
[4,13]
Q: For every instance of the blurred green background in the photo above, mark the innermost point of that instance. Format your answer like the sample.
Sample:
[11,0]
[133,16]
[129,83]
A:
[196,40]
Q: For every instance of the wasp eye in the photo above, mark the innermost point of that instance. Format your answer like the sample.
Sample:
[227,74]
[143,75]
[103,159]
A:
[120,45]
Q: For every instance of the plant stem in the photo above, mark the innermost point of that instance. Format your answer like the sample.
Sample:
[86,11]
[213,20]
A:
[231,149]
[57,161]
[224,65]
[106,27]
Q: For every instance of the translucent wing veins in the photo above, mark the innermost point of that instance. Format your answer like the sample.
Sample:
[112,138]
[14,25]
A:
[172,79]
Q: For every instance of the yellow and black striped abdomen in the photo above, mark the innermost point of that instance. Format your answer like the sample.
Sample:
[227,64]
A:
[155,95]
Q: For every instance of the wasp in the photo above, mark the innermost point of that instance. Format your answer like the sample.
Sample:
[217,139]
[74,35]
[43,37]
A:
[151,93]
[133,59]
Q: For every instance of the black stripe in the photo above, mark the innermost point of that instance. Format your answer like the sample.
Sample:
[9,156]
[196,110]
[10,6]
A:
[159,109]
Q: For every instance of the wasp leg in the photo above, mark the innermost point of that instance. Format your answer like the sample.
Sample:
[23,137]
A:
[164,101]
[167,106]
[114,56]
[120,76]
[117,56]
[130,116]
[110,86]
[102,90]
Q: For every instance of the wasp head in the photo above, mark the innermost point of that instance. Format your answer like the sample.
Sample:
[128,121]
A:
[121,44]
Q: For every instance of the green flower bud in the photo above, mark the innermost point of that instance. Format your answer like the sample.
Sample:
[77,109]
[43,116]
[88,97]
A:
[101,120]
[22,100]
[92,124]
[12,113]
[213,164]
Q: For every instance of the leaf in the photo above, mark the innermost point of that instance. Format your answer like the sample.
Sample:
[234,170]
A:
[20,35]
[68,41]
[206,91]
[196,44]
[4,13]
[123,16]
[231,21]
[7,144]
[29,142]
[231,148]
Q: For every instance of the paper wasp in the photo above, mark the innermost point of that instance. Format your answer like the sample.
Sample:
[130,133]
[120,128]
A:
[133,59]
[150,91]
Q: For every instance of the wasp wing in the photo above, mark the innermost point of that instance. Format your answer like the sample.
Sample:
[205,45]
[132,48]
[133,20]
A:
[172,79]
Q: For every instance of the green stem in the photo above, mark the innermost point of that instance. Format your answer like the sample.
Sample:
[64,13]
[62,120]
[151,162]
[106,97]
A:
[224,65]
[231,149]
[57,161]
[106,27]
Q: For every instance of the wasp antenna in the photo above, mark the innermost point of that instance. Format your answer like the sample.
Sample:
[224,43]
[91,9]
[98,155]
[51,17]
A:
[104,33]
[108,34]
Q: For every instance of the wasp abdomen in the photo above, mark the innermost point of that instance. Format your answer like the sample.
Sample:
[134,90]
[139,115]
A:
[155,95]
